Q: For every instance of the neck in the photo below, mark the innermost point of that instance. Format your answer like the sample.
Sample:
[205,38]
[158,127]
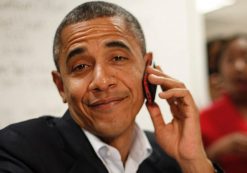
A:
[241,103]
[243,110]
[122,142]
[239,100]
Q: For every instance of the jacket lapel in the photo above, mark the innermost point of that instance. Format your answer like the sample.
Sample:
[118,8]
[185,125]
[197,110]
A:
[158,161]
[78,147]
[151,164]
[84,159]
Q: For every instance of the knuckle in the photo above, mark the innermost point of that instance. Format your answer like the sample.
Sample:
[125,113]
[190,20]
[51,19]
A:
[181,84]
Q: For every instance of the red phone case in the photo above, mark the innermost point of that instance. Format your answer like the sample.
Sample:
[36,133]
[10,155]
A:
[149,89]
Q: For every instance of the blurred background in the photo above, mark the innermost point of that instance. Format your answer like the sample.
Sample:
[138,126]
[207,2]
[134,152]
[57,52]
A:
[176,32]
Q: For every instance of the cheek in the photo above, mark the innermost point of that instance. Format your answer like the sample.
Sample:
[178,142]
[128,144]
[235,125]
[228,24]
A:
[75,90]
[226,70]
[137,80]
[134,82]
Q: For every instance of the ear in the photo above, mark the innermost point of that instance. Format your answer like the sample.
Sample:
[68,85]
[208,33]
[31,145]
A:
[148,57]
[57,79]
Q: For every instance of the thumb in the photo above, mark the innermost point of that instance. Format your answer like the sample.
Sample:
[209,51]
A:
[156,115]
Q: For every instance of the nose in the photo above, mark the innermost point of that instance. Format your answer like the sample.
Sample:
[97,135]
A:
[102,79]
[240,64]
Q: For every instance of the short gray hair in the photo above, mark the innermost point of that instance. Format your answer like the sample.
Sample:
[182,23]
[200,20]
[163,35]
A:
[92,10]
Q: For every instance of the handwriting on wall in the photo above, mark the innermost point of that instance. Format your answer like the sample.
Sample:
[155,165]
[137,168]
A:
[26,34]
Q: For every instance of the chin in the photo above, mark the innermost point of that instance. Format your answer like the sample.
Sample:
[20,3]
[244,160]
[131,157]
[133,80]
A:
[111,131]
[108,134]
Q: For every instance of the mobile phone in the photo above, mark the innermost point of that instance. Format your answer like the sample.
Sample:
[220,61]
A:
[148,88]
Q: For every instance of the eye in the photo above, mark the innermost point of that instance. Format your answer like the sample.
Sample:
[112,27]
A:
[80,67]
[119,58]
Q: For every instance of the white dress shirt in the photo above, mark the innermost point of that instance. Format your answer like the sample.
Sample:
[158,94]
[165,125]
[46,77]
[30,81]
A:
[111,158]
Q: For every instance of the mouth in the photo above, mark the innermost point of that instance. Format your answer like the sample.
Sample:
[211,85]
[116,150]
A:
[106,103]
[241,83]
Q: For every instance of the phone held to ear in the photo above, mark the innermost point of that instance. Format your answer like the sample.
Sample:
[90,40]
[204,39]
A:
[149,89]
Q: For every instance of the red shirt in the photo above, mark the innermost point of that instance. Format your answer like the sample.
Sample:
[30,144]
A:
[218,120]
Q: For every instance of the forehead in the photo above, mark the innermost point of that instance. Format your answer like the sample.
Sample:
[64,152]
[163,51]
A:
[240,43]
[96,29]
[99,30]
[97,34]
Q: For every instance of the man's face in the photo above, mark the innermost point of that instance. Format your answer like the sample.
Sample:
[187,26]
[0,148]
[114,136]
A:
[101,70]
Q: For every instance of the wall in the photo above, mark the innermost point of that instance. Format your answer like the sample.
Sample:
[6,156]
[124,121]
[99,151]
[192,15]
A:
[26,32]
[226,21]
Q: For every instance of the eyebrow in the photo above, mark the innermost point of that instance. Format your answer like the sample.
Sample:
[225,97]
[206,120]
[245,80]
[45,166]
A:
[80,50]
[75,52]
[117,44]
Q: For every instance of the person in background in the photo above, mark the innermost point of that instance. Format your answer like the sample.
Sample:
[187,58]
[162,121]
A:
[213,52]
[100,55]
[224,122]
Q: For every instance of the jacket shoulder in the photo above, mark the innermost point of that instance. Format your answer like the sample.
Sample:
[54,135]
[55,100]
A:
[159,159]
[21,144]
[30,129]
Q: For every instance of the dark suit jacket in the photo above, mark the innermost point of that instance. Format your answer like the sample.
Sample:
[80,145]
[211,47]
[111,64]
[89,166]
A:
[58,145]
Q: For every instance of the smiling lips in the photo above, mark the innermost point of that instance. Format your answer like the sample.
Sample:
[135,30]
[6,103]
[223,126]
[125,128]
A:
[103,104]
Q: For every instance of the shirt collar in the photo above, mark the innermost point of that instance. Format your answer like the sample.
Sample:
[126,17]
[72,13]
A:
[141,147]
[140,150]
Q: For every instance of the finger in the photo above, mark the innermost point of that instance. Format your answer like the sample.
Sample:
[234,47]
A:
[175,101]
[158,68]
[241,140]
[157,71]
[241,146]
[165,82]
[177,96]
[242,149]
[181,102]
[156,116]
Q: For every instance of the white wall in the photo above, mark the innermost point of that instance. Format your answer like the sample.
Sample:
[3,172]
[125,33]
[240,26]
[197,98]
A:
[27,27]
[227,21]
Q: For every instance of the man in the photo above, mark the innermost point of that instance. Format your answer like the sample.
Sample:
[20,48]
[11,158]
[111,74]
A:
[100,55]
